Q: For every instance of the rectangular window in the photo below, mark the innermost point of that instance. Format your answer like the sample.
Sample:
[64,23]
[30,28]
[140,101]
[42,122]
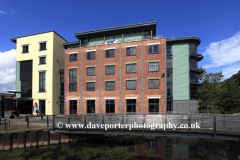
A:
[73,106]
[72,57]
[131,51]
[90,55]
[110,69]
[153,66]
[90,106]
[153,83]
[131,84]
[42,46]
[110,53]
[153,105]
[110,85]
[110,106]
[41,81]
[131,68]
[90,71]
[72,79]
[61,84]
[42,60]
[90,86]
[25,49]
[152,49]
[131,105]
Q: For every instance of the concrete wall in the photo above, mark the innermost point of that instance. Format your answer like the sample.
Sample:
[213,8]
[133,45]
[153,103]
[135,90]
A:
[185,106]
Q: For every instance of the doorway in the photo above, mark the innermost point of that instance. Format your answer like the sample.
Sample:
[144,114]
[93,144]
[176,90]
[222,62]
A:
[153,105]
[42,107]
[90,106]
[131,105]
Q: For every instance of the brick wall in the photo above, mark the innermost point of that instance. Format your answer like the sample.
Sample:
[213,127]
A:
[116,60]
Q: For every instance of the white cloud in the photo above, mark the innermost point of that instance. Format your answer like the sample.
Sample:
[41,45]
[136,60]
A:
[7,70]
[223,52]
[231,70]
[2,12]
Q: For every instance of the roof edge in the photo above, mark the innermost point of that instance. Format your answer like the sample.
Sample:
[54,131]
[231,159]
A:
[184,39]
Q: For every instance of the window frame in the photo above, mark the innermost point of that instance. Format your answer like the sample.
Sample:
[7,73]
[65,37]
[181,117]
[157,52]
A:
[127,67]
[110,50]
[94,70]
[71,59]
[106,69]
[40,46]
[71,105]
[153,79]
[127,85]
[42,81]
[131,55]
[70,82]
[106,86]
[149,68]
[94,86]
[152,49]
[40,60]
[27,50]
[90,56]
[108,105]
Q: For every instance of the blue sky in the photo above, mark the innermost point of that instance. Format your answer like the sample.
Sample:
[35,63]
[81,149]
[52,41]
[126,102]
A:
[215,22]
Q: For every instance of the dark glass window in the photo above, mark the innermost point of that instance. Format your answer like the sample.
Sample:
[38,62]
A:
[153,66]
[90,55]
[72,57]
[72,79]
[25,49]
[153,105]
[61,107]
[153,83]
[131,51]
[169,63]
[131,68]
[110,53]
[42,107]
[90,86]
[169,105]
[41,81]
[73,106]
[26,88]
[153,49]
[42,46]
[193,64]
[110,106]
[61,84]
[193,92]
[169,49]
[90,106]
[131,84]
[90,71]
[110,69]
[42,60]
[131,105]
[110,85]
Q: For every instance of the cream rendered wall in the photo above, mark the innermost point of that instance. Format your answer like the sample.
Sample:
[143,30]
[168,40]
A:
[33,54]
[58,54]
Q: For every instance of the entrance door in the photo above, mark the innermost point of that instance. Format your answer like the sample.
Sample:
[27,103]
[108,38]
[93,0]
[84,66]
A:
[90,106]
[42,107]
[131,105]
[110,106]
[153,105]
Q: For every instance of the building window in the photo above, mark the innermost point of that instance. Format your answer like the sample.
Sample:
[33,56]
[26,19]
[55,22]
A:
[153,66]
[90,55]
[131,105]
[73,106]
[131,68]
[25,49]
[62,84]
[110,85]
[110,106]
[90,86]
[110,53]
[90,71]
[72,79]
[42,46]
[90,106]
[152,49]
[110,70]
[153,105]
[131,84]
[72,57]
[153,83]
[131,51]
[42,60]
[42,82]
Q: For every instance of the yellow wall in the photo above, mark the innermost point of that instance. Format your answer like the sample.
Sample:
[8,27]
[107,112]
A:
[54,46]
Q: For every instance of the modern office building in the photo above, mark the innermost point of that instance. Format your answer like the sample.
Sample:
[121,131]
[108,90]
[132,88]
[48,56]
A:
[130,69]
[38,60]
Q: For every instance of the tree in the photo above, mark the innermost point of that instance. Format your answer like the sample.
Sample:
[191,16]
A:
[208,93]
[229,100]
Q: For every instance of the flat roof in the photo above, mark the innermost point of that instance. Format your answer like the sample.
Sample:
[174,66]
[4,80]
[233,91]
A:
[138,27]
[15,39]
[184,39]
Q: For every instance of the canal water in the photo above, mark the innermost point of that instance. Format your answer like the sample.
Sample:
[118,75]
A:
[131,147]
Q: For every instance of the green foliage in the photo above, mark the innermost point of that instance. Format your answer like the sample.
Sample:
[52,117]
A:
[212,111]
[208,93]
[229,100]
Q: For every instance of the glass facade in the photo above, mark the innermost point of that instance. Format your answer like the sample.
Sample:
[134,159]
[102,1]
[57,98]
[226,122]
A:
[72,79]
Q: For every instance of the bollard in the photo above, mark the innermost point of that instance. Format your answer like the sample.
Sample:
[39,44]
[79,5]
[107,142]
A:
[214,126]
[47,122]
[189,125]
[5,125]
[28,122]
[9,123]
[53,120]
[41,117]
